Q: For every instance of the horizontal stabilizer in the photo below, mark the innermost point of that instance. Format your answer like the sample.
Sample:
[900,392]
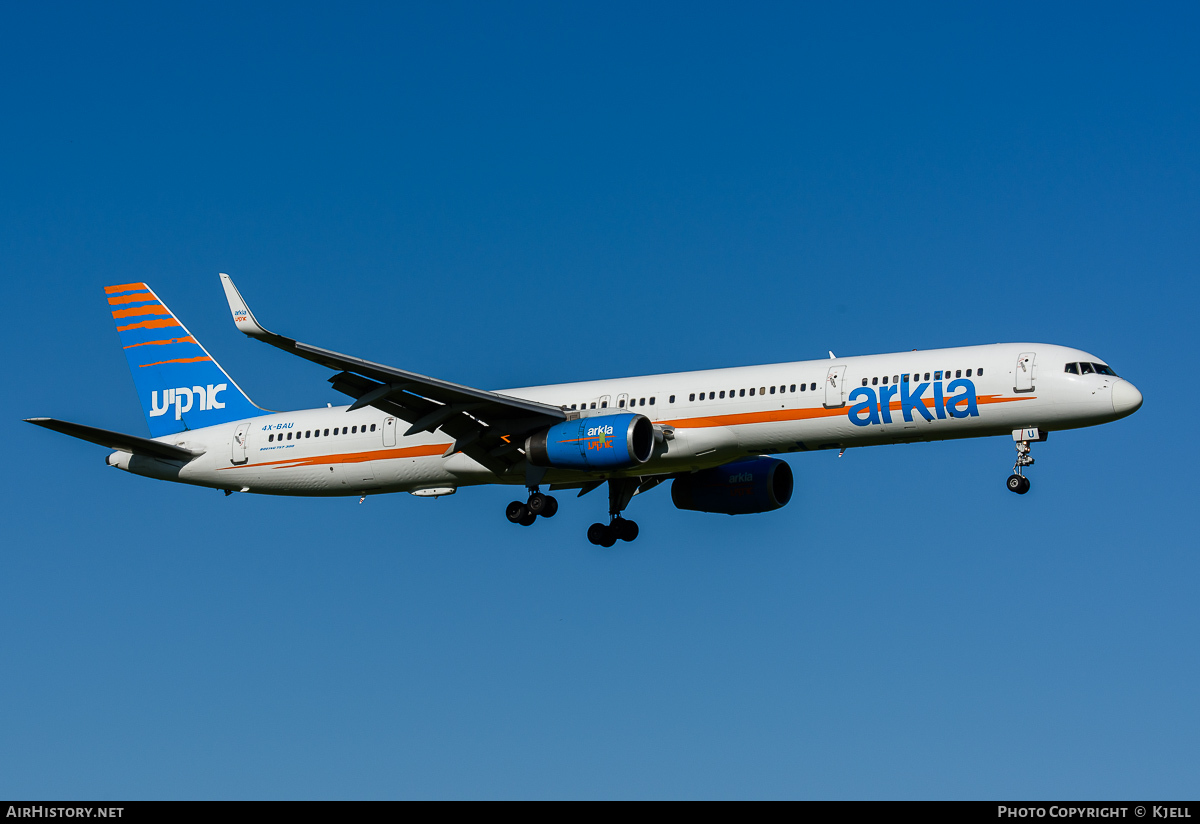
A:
[117,440]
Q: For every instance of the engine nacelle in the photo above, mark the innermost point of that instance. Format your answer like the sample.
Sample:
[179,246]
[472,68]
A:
[740,488]
[602,442]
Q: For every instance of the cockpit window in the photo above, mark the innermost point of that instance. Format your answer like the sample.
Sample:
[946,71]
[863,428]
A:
[1086,369]
[1073,368]
[1101,369]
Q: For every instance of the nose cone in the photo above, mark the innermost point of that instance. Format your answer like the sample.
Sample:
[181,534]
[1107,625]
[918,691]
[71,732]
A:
[1126,398]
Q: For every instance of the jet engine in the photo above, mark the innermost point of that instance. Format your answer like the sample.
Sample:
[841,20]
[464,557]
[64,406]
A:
[601,442]
[739,488]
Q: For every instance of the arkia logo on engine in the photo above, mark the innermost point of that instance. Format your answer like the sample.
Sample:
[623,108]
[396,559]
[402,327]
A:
[182,399]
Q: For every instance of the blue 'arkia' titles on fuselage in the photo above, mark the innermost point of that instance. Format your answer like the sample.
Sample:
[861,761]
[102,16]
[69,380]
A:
[878,408]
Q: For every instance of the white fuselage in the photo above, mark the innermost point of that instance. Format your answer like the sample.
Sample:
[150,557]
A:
[715,416]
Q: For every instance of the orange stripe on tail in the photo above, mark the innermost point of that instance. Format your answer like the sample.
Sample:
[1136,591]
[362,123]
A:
[177,360]
[124,287]
[188,339]
[150,324]
[136,298]
[149,309]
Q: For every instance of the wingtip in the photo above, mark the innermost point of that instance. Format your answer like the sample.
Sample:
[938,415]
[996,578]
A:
[243,318]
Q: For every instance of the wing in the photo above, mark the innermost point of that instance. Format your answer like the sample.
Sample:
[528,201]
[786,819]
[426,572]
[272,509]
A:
[486,426]
[117,440]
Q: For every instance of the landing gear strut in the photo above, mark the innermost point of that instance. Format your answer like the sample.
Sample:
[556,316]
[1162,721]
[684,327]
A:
[526,513]
[620,492]
[1017,482]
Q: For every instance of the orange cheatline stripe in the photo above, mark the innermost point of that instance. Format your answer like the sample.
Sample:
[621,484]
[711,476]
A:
[188,339]
[778,415]
[774,415]
[124,287]
[148,309]
[177,360]
[770,416]
[353,457]
[150,324]
[140,296]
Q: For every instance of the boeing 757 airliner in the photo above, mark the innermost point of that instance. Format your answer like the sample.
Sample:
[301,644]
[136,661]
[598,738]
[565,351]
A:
[710,433]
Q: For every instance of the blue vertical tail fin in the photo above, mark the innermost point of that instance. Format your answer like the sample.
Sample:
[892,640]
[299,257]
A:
[178,383]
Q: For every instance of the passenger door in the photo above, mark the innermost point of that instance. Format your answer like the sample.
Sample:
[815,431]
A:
[239,444]
[835,387]
[622,401]
[1024,380]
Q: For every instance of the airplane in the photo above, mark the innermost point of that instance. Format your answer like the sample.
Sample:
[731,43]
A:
[711,433]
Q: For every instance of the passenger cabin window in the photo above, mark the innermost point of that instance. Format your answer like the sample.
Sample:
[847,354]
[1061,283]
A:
[621,403]
[326,433]
[741,393]
[752,391]
[270,438]
[692,397]
[652,399]
[958,374]
[772,390]
[804,386]
[968,373]
[669,400]
[979,373]
[794,386]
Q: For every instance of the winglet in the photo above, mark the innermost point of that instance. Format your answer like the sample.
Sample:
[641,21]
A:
[243,318]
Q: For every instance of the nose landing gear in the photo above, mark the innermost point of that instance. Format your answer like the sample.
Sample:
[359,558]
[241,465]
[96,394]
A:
[1017,482]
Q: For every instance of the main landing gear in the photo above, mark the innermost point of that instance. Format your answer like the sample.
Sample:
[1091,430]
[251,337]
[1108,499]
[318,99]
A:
[620,492]
[1017,482]
[526,513]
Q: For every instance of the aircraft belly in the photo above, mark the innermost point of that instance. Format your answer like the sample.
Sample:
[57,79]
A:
[403,473]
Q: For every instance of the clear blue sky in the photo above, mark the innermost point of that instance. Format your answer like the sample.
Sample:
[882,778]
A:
[505,195]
